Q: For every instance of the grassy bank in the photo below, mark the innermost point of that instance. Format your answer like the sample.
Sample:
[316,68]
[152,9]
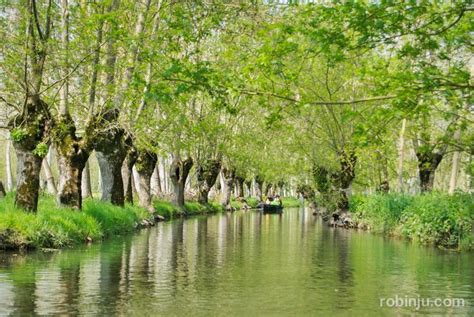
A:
[434,219]
[56,227]
[169,211]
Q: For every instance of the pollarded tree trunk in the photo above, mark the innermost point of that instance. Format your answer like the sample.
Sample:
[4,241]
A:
[179,171]
[27,183]
[111,152]
[344,177]
[72,157]
[70,179]
[228,175]
[127,173]
[145,165]
[206,174]
[28,130]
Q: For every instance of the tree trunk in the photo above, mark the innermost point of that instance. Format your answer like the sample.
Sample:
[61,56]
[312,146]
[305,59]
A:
[70,179]
[248,184]
[259,188]
[145,165]
[111,153]
[127,174]
[239,186]
[156,189]
[206,174]
[401,155]
[27,184]
[49,178]
[72,156]
[179,171]
[86,181]
[28,130]
[455,166]
[228,175]
[427,164]
[343,179]
[8,166]
[268,188]
[384,185]
[3,193]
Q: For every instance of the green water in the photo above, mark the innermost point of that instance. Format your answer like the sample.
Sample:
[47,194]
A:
[237,264]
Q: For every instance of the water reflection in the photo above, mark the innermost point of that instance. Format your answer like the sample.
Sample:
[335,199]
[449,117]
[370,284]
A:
[241,263]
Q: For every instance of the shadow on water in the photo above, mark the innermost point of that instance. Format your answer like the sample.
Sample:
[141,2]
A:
[238,263]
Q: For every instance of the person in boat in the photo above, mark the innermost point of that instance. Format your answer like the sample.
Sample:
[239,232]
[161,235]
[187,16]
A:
[276,201]
[269,200]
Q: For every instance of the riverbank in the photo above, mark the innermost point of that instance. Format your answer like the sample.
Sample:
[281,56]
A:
[442,220]
[57,227]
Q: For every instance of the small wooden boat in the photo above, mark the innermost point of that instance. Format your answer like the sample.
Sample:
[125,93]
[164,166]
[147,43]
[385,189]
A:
[272,209]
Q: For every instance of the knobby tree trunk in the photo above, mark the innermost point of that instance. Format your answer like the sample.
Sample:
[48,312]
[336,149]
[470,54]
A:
[344,177]
[145,165]
[111,152]
[179,171]
[127,174]
[72,153]
[206,174]
[28,130]
[86,181]
[28,183]
[228,175]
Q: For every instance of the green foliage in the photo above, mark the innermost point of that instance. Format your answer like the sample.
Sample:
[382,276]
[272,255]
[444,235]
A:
[17,134]
[41,149]
[436,218]
[381,212]
[440,219]
[170,211]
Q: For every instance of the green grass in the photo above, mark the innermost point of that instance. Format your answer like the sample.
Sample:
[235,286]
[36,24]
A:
[57,227]
[290,202]
[436,219]
[170,211]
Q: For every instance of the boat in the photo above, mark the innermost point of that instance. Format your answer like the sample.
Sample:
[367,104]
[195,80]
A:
[272,209]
